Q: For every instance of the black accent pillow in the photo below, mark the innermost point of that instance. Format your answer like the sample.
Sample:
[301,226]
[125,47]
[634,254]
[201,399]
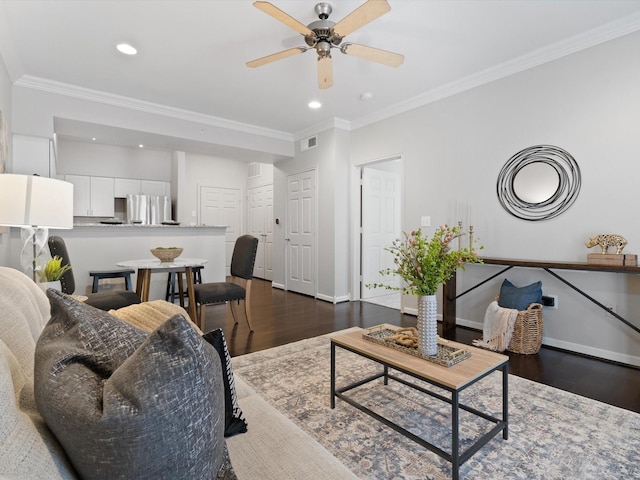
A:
[125,403]
[519,297]
[234,419]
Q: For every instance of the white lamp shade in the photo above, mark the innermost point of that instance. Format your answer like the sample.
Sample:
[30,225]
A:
[27,200]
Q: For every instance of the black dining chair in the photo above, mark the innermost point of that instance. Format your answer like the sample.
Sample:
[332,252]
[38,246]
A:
[104,300]
[239,286]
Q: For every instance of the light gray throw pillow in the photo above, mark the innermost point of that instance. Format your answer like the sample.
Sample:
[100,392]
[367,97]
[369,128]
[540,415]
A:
[126,404]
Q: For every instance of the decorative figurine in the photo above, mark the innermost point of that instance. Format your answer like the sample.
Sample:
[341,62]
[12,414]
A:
[604,241]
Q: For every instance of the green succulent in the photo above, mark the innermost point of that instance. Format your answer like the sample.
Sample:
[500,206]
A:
[53,270]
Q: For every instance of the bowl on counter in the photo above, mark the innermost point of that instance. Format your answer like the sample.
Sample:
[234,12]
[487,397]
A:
[166,254]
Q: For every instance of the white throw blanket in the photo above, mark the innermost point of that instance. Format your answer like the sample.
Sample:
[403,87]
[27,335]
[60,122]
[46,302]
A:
[498,327]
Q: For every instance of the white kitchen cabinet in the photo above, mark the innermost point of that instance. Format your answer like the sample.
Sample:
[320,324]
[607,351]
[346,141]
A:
[155,187]
[92,196]
[131,186]
[126,186]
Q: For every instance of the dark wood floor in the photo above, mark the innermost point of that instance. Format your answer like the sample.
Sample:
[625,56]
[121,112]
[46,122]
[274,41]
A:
[282,317]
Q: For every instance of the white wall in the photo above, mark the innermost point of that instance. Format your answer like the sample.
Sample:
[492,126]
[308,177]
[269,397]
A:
[95,159]
[207,171]
[6,108]
[588,104]
[265,177]
[330,160]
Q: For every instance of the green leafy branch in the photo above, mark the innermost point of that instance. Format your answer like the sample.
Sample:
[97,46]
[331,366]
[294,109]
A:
[424,264]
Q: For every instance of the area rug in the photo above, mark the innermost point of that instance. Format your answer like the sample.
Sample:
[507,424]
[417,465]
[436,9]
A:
[553,434]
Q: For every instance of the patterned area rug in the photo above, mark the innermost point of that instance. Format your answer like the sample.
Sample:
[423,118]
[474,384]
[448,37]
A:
[553,434]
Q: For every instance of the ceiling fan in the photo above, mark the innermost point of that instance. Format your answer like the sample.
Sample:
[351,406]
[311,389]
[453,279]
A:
[323,35]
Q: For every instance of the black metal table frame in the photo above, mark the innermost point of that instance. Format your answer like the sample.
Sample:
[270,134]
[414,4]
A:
[456,457]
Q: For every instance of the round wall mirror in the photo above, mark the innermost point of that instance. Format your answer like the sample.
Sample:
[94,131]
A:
[536,182]
[539,183]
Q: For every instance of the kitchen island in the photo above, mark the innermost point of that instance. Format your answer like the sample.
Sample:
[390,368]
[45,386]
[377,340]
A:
[101,247]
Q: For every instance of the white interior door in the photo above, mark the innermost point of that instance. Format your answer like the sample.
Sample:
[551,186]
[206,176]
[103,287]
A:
[300,240]
[221,206]
[381,199]
[260,225]
[255,227]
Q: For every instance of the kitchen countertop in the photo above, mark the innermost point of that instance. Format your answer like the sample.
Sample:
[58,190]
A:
[132,225]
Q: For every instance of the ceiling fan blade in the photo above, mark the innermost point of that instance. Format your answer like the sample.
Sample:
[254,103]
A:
[325,72]
[283,17]
[365,13]
[258,62]
[373,54]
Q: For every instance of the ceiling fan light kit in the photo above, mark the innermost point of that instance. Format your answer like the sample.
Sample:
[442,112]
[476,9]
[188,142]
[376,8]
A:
[323,35]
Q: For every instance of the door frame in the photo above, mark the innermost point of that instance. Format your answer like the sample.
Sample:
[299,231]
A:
[356,215]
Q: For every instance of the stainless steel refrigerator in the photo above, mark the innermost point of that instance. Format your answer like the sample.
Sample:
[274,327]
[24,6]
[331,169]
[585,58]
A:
[148,209]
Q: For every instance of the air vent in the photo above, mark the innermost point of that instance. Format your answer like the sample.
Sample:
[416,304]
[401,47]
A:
[308,143]
[254,170]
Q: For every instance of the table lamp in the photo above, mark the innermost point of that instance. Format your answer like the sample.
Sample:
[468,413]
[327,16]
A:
[35,204]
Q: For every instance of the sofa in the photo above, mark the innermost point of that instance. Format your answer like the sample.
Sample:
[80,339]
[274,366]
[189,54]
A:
[32,325]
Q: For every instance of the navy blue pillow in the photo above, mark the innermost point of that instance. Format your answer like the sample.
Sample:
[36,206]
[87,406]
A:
[519,297]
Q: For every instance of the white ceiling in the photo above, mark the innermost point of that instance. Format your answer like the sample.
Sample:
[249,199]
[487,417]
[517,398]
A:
[192,54]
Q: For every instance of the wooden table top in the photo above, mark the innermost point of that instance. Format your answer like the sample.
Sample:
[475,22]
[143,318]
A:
[455,377]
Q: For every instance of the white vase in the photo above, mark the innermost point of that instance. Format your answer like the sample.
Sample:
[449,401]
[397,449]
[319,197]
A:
[55,285]
[428,325]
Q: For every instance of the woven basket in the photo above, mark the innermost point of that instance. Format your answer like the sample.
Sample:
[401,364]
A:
[528,329]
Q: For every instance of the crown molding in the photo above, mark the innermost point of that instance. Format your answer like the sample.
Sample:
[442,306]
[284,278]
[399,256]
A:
[335,122]
[81,93]
[597,36]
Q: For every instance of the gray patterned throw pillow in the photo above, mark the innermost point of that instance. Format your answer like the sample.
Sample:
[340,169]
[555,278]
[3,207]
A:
[126,404]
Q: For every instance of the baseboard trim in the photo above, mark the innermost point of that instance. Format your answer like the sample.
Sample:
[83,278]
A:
[334,300]
[592,351]
[571,347]
[277,285]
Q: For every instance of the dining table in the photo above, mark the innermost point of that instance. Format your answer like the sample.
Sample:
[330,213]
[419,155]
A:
[145,267]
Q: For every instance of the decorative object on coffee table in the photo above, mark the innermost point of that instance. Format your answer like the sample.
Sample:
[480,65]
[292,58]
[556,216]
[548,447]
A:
[428,324]
[166,254]
[424,264]
[406,341]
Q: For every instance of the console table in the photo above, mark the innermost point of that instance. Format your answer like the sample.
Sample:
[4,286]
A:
[450,295]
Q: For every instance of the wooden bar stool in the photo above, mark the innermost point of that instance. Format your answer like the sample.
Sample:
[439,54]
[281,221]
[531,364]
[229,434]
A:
[99,275]
[171,293]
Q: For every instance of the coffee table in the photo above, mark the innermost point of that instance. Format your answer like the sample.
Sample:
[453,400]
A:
[453,379]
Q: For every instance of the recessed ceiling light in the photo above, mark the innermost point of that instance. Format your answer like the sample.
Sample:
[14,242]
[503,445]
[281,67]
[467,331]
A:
[314,104]
[126,49]
[141,146]
[93,138]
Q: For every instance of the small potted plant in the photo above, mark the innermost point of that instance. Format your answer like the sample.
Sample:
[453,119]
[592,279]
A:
[52,272]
